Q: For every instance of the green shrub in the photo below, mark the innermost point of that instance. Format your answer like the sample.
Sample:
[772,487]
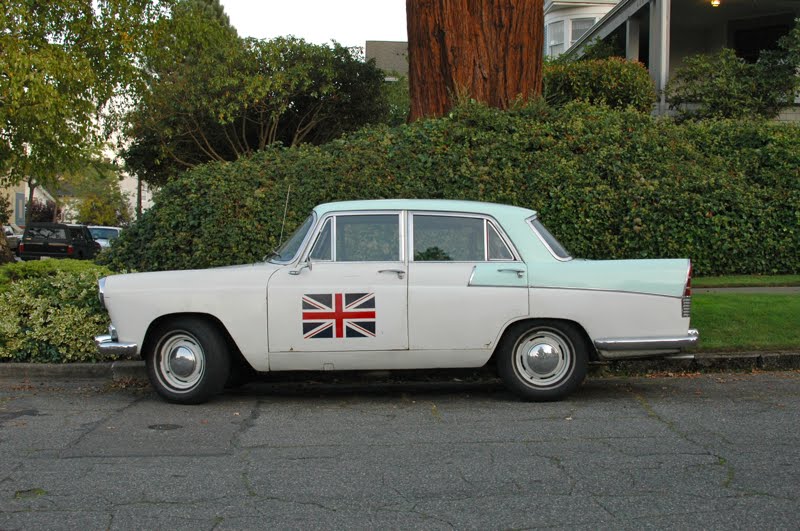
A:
[14,272]
[723,85]
[50,313]
[609,184]
[614,82]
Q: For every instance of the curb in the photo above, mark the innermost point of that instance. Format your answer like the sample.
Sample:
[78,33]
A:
[706,361]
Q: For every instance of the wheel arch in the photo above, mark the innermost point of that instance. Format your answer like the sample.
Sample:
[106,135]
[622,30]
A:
[233,349]
[593,356]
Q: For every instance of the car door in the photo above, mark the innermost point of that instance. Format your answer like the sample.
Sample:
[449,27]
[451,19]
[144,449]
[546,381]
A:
[466,283]
[349,296]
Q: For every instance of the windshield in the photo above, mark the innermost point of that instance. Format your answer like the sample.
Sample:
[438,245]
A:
[288,250]
[549,240]
[104,234]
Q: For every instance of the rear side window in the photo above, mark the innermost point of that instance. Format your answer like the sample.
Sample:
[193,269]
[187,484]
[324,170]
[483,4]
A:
[46,233]
[449,238]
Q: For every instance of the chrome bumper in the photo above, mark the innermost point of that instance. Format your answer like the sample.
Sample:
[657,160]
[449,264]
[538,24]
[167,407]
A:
[644,347]
[109,345]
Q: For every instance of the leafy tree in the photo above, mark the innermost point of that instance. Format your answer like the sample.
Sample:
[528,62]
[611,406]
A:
[63,63]
[490,51]
[215,97]
[42,211]
[99,199]
[723,85]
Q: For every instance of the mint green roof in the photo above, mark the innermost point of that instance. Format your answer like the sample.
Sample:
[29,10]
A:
[446,205]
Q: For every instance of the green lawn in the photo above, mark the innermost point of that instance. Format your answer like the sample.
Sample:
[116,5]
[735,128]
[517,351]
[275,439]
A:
[745,281]
[730,321]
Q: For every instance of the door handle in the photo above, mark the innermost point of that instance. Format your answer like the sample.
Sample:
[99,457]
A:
[520,272]
[399,272]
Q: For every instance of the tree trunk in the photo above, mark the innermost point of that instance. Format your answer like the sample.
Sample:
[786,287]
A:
[29,210]
[488,50]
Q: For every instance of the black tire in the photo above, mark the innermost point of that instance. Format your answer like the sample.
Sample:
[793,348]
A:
[187,360]
[543,360]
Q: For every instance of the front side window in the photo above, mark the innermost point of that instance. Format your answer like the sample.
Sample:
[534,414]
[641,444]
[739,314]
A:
[367,238]
[323,250]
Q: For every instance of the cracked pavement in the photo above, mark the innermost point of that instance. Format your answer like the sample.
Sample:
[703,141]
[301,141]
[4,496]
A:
[714,451]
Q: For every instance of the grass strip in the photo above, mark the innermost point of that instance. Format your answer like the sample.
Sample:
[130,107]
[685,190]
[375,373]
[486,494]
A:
[746,281]
[752,321]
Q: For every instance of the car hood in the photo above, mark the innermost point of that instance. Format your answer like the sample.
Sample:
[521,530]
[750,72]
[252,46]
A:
[248,275]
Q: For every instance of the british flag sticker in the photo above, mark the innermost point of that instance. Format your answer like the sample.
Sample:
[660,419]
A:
[339,315]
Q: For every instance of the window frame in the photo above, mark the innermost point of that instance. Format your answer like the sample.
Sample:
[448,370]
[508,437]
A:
[572,21]
[487,221]
[551,43]
[332,216]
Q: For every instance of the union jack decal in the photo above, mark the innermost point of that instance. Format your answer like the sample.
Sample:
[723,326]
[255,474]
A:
[339,315]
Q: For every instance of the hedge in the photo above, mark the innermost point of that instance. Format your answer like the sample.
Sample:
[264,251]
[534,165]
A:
[613,81]
[49,311]
[608,183]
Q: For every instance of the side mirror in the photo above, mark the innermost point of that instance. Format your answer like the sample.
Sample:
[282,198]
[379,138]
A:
[304,265]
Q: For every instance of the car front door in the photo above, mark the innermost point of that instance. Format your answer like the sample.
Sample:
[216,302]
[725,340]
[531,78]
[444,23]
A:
[466,283]
[349,295]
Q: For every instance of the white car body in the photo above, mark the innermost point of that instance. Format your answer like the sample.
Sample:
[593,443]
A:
[302,314]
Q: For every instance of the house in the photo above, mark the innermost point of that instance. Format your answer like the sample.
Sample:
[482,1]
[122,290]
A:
[17,196]
[566,21]
[662,33]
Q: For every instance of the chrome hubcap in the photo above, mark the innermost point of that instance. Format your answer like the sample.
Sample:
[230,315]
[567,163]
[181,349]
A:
[181,363]
[543,358]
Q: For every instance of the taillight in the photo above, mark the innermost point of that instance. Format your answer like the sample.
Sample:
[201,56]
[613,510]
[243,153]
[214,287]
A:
[70,249]
[686,306]
[21,247]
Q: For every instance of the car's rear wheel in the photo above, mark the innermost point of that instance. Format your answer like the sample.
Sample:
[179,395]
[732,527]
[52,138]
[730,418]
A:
[543,360]
[187,361]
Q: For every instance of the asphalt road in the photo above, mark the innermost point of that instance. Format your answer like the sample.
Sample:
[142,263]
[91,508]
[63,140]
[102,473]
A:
[719,451]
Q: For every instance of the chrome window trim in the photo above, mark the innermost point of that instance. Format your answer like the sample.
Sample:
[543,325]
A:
[493,226]
[486,219]
[529,221]
[313,245]
[318,229]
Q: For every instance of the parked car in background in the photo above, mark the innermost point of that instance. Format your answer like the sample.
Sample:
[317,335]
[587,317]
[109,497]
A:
[103,235]
[12,237]
[57,240]
[402,284]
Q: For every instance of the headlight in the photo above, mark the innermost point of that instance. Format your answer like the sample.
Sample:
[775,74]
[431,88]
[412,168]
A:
[101,292]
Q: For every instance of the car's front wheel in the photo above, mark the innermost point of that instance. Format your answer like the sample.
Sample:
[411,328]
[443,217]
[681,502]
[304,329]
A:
[187,361]
[543,360]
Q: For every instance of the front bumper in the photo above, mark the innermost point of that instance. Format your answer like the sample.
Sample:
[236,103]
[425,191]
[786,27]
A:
[647,347]
[109,345]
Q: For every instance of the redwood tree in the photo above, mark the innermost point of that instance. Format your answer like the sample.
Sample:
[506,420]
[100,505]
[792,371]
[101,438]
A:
[489,50]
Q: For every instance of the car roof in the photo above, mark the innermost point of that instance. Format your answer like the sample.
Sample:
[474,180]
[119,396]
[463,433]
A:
[104,227]
[439,205]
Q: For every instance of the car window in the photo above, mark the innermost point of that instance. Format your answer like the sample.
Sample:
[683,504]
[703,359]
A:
[367,238]
[104,234]
[45,233]
[286,252]
[558,250]
[498,250]
[448,238]
[322,249]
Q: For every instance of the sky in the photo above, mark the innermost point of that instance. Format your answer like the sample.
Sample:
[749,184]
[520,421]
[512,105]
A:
[349,22]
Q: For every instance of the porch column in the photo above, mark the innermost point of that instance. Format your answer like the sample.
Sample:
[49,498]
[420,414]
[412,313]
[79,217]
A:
[632,39]
[659,47]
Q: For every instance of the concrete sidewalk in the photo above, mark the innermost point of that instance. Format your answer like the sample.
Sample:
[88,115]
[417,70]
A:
[702,361]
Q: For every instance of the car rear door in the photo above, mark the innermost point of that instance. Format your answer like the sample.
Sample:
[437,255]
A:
[466,283]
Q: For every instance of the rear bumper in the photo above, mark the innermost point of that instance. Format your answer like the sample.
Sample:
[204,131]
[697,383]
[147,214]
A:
[109,345]
[644,347]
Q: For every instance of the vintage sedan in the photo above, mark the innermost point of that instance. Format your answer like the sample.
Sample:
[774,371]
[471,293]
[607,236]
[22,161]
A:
[402,284]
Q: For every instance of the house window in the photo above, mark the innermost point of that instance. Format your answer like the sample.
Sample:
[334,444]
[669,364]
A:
[555,36]
[579,27]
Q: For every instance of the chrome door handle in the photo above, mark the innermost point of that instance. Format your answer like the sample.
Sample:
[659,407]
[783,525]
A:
[520,272]
[399,272]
